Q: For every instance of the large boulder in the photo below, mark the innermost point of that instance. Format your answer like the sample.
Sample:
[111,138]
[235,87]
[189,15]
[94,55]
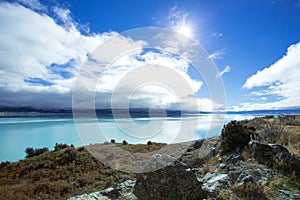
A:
[176,181]
[263,153]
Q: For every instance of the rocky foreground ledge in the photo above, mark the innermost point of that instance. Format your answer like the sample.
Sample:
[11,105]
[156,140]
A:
[232,177]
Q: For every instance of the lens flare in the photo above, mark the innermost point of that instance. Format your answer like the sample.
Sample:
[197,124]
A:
[185,30]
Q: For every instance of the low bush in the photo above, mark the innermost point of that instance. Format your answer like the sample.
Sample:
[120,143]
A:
[30,152]
[58,147]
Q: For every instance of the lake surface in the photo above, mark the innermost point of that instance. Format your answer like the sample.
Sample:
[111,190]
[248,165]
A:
[18,133]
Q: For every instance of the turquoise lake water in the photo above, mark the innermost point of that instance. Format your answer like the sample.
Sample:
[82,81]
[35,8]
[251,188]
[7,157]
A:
[16,134]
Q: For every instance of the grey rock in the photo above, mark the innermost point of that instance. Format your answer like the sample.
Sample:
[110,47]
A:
[291,161]
[175,181]
[103,198]
[268,154]
[250,172]
[234,159]
[198,144]
[286,195]
[276,148]
[189,154]
[126,188]
[263,153]
[121,191]
[214,182]
[110,192]
[221,166]
[91,196]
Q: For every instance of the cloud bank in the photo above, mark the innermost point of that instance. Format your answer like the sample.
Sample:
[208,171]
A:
[41,54]
[276,86]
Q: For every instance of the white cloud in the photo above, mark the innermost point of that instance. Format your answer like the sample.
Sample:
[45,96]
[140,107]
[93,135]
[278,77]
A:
[225,70]
[217,34]
[33,4]
[31,42]
[285,70]
[217,55]
[176,18]
[281,80]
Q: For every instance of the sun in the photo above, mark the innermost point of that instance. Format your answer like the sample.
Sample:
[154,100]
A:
[185,30]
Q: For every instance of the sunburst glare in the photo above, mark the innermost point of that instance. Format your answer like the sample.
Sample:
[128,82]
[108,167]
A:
[185,30]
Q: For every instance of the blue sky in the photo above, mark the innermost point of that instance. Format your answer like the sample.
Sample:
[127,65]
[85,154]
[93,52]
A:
[255,45]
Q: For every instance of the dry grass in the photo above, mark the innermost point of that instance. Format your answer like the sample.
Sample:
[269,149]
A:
[226,195]
[61,174]
[249,190]
[142,148]
[246,154]
[285,183]
[284,130]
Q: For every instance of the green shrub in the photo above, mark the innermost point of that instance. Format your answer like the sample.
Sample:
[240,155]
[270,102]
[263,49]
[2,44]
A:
[235,137]
[4,164]
[30,152]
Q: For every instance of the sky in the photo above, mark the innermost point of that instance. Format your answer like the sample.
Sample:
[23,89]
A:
[255,46]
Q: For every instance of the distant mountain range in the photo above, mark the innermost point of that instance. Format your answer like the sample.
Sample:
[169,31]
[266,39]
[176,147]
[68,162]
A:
[136,112]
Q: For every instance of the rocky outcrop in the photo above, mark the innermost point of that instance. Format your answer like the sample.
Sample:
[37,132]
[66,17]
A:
[176,181]
[121,191]
[265,153]
[248,172]
[275,155]
[235,171]
[235,177]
